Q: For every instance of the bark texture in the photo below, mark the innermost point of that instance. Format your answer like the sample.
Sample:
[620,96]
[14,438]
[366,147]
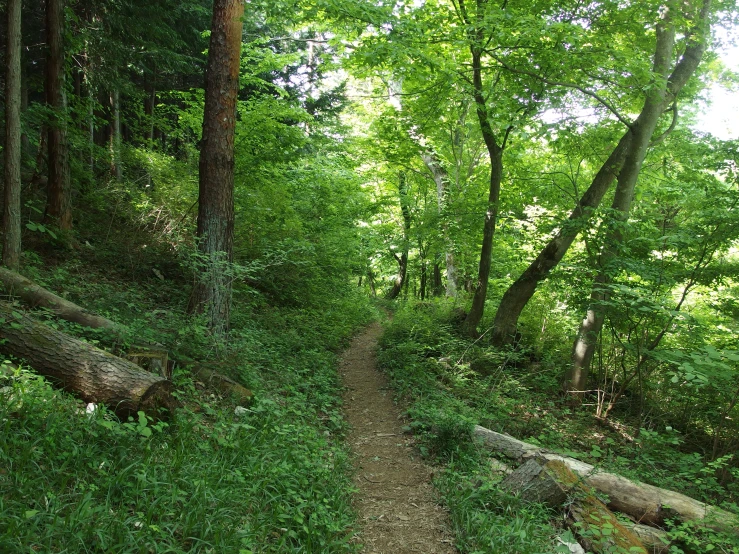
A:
[11,219]
[93,374]
[59,193]
[116,140]
[35,296]
[646,503]
[212,292]
[441,179]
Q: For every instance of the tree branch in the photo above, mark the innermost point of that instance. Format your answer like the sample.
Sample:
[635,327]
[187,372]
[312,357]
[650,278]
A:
[552,82]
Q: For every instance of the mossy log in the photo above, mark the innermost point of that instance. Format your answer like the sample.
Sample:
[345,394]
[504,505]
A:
[36,296]
[92,374]
[647,504]
[552,483]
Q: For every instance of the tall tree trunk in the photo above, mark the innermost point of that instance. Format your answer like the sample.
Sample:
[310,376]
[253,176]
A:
[660,96]
[476,40]
[115,136]
[59,198]
[25,141]
[520,292]
[441,178]
[371,283]
[491,214]
[12,197]
[437,285]
[212,292]
[402,276]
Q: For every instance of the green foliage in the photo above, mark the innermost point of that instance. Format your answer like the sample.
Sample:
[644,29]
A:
[451,383]
[212,477]
[487,520]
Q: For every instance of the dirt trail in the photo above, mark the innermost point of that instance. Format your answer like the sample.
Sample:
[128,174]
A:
[395,502]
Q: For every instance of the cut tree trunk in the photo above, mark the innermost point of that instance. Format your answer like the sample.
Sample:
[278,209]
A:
[35,296]
[645,503]
[552,483]
[93,374]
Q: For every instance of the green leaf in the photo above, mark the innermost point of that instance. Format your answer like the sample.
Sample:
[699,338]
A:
[31,513]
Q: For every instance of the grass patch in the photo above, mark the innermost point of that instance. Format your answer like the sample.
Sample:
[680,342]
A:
[451,383]
[272,478]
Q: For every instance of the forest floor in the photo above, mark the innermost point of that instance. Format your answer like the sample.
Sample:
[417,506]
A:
[395,499]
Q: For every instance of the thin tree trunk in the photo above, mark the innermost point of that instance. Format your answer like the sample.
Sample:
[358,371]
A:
[441,178]
[660,96]
[371,283]
[212,291]
[11,223]
[520,292]
[401,277]
[495,152]
[25,142]
[34,296]
[59,198]
[115,136]
[438,286]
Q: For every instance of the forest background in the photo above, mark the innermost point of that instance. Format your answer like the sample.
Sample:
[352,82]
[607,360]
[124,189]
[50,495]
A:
[524,180]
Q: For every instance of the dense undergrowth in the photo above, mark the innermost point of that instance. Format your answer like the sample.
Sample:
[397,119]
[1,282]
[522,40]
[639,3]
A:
[273,477]
[451,383]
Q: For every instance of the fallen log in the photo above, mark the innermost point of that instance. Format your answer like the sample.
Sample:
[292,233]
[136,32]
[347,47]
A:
[91,373]
[224,384]
[552,483]
[36,296]
[645,503]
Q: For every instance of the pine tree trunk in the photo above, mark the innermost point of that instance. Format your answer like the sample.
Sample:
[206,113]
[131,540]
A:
[212,292]
[33,295]
[59,197]
[78,367]
[11,221]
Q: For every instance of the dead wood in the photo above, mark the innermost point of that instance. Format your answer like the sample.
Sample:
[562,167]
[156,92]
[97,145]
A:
[645,503]
[552,483]
[91,373]
[36,296]
[223,384]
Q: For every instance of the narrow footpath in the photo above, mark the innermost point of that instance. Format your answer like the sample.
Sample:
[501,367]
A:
[397,510]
